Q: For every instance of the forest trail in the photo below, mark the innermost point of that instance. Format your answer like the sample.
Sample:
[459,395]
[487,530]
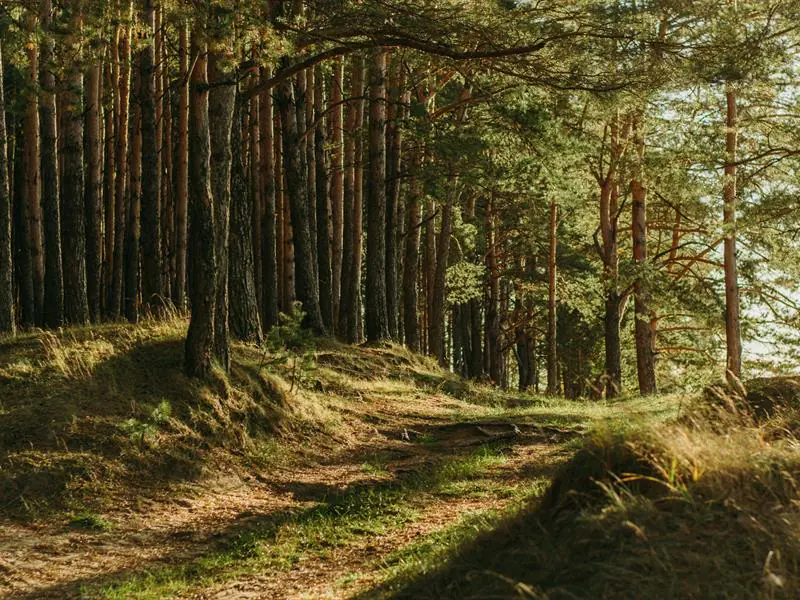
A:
[329,527]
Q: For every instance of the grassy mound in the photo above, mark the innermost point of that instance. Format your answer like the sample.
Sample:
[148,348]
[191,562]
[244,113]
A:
[104,414]
[761,398]
[700,510]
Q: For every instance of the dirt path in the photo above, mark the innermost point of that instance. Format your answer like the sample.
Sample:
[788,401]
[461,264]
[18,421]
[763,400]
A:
[55,561]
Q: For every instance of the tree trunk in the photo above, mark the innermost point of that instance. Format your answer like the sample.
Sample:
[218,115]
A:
[553,383]
[439,301]
[305,122]
[163,158]
[411,262]
[244,317]
[134,229]
[394,146]
[33,188]
[733,333]
[280,209]
[609,198]
[337,186]
[252,144]
[7,320]
[269,242]
[94,193]
[377,317]
[293,151]
[476,370]
[109,180]
[221,101]
[525,362]
[51,209]
[21,233]
[322,188]
[493,354]
[152,284]
[203,285]
[428,267]
[645,357]
[182,174]
[301,94]
[121,160]
[351,260]
[288,233]
[73,234]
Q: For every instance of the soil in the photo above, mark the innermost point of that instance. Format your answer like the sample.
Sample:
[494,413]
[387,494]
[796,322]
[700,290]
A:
[55,560]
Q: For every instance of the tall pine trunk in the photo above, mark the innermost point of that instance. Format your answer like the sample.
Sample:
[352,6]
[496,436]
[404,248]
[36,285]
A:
[109,178]
[269,229]
[121,106]
[73,234]
[609,218]
[152,284]
[133,229]
[322,189]
[428,267]
[305,123]
[337,185]
[411,261]
[221,101]
[7,319]
[51,207]
[293,152]
[182,174]
[436,335]
[33,186]
[253,145]
[553,384]
[287,233]
[645,356]
[244,316]
[351,260]
[394,146]
[21,233]
[493,354]
[203,285]
[301,93]
[94,192]
[733,330]
[377,317]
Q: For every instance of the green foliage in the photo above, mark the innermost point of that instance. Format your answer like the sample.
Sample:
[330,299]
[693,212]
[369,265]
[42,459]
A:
[90,521]
[290,348]
[145,433]
[465,281]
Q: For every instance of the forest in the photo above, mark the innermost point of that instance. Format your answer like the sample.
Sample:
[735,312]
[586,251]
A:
[536,259]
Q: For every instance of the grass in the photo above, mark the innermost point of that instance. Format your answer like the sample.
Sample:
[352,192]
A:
[91,413]
[91,521]
[657,497]
[695,508]
[280,541]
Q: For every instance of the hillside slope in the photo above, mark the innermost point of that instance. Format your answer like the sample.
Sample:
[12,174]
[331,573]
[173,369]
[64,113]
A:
[371,473]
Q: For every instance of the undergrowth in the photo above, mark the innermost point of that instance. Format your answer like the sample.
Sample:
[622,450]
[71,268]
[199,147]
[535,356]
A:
[278,542]
[705,506]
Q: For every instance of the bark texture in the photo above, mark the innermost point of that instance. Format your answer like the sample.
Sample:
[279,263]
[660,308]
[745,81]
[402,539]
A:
[377,316]
[51,208]
[245,323]
[221,101]
[73,234]
[293,150]
[152,284]
[203,285]
[7,319]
